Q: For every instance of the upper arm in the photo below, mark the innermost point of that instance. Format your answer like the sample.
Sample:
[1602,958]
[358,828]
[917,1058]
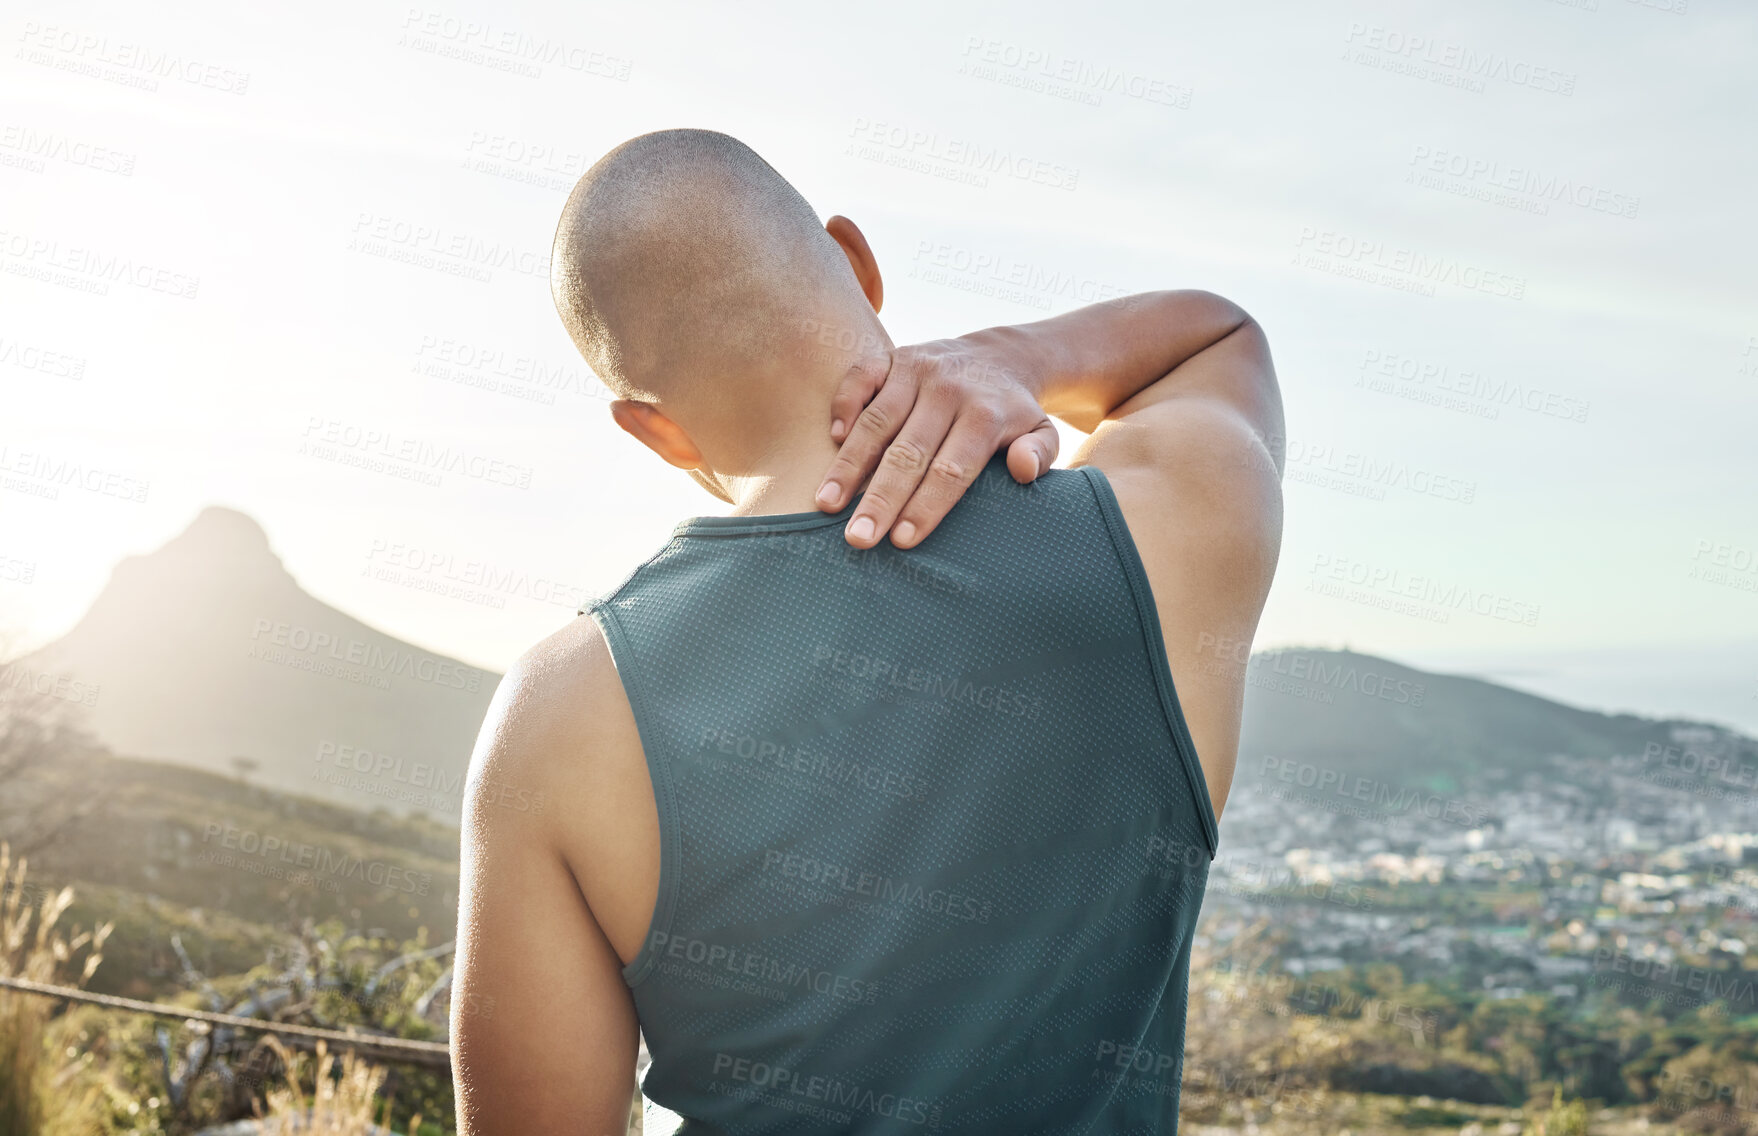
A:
[1196,464]
[543,1028]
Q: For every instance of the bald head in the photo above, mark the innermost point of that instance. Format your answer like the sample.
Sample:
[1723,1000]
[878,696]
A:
[684,265]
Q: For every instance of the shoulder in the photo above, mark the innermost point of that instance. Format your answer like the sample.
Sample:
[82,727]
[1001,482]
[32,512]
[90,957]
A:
[1201,493]
[557,711]
[1196,463]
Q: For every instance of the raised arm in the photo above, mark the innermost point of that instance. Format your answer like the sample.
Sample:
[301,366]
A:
[1195,457]
[1098,358]
[927,417]
[1178,395]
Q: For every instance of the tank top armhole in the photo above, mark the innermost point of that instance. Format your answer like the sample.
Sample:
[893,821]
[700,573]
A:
[1148,615]
[665,799]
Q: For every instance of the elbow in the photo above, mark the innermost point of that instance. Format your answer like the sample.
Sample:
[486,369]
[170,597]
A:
[1243,321]
[1222,311]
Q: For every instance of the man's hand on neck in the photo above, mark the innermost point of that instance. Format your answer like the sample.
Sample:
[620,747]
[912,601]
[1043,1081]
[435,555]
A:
[924,420]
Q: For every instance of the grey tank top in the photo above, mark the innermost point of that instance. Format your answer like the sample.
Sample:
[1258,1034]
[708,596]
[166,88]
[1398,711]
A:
[933,834]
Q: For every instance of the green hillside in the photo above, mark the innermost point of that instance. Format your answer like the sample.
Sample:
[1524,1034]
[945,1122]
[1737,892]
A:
[1365,715]
[176,849]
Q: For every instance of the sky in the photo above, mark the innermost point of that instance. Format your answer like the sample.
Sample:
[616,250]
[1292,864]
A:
[1503,252]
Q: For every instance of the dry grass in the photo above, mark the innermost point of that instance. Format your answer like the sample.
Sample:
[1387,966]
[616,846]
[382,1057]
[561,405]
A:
[38,1095]
[342,1104]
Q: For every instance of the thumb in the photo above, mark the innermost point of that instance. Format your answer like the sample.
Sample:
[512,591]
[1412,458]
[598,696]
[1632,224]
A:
[1032,453]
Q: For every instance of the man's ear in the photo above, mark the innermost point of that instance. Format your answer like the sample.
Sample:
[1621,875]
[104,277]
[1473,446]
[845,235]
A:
[649,425]
[860,257]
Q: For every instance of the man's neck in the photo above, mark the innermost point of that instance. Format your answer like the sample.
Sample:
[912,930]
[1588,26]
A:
[788,479]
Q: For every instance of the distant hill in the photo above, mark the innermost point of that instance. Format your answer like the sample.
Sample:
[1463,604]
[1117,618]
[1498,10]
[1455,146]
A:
[208,650]
[178,849]
[1364,715]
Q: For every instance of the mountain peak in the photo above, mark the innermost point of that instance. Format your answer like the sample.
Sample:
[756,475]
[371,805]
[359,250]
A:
[221,547]
[205,649]
[220,534]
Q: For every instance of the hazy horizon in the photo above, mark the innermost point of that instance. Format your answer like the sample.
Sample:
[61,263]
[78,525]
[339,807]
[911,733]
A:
[1704,684]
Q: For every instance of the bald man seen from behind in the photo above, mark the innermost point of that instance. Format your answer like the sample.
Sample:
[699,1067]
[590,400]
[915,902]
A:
[885,802]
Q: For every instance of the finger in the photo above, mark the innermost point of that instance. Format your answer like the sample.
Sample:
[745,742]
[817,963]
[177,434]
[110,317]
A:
[900,471]
[873,430]
[857,388]
[1033,452]
[962,456]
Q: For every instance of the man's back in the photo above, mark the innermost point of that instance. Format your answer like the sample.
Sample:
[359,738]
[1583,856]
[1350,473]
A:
[932,834]
[735,327]
[557,908]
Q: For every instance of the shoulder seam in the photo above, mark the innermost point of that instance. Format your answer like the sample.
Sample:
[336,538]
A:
[593,602]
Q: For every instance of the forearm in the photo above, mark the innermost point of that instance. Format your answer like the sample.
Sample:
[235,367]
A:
[1084,364]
